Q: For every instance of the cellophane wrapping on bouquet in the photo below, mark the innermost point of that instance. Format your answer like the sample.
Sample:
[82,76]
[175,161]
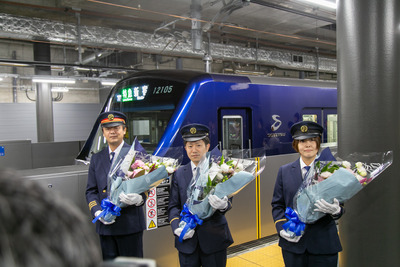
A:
[337,178]
[138,172]
[221,176]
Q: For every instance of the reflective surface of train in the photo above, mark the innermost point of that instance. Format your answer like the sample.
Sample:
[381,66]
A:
[242,112]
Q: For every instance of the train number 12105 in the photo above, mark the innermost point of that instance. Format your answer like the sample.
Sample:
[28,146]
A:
[163,89]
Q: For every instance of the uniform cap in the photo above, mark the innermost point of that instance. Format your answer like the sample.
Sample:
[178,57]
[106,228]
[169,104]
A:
[112,119]
[194,132]
[306,129]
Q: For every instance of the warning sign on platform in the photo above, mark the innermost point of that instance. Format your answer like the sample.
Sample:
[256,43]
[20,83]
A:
[151,210]
[157,207]
[151,225]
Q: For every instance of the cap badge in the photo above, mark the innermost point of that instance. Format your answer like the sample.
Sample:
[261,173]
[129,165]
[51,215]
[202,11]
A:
[304,129]
[111,117]
[193,130]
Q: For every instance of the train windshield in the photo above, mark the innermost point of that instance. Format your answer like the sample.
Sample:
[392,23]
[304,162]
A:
[148,103]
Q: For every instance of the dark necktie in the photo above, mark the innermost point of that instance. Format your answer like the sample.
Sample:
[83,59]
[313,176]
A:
[112,156]
[196,175]
[307,168]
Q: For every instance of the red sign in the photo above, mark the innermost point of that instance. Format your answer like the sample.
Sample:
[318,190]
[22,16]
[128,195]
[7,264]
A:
[152,213]
[151,203]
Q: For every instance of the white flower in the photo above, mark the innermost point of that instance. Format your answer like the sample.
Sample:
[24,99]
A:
[239,167]
[361,171]
[213,171]
[346,164]
[325,174]
[225,167]
[219,176]
[359,165]
[169,162]
[170,169]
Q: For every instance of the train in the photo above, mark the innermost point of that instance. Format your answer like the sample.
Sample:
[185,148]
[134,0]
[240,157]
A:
[243,113]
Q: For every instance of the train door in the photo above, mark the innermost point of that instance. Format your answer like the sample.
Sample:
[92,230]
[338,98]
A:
[327,117]
[234,129]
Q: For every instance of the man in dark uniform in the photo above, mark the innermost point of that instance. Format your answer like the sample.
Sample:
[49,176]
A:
[122,236]
[206,244]
[320,244]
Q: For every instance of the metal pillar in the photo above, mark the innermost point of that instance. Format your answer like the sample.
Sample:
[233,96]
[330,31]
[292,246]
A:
[14,80]
[195,11]
[179,63]
[368,45]
[44,104]
[208,60]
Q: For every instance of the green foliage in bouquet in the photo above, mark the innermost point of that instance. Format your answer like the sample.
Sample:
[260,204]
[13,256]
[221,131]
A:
[220,172]
[327,168]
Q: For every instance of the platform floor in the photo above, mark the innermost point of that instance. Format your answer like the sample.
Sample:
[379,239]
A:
[266,254]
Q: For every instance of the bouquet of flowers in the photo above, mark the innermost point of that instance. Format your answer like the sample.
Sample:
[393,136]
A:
[137,172]
[327,180]
[218,176]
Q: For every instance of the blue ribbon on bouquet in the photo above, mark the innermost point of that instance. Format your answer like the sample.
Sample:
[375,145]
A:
[190,219]
[108,209]
[294,224]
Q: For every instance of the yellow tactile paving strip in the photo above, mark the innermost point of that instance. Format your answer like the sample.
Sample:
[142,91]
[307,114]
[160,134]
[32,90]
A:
[269,255]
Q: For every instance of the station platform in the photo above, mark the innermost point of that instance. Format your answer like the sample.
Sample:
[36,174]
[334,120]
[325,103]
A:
[262,252]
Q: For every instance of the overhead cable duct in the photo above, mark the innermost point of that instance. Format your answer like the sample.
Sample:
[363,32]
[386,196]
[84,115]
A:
[78,31]
[95,56]
[195,11]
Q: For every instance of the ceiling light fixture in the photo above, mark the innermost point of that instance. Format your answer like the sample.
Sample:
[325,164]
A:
[44,80]
[59,89]
[85,69]
[109,83]
[324,3]
[12,64]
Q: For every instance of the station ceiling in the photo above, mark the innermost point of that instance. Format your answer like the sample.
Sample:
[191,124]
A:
[280,24]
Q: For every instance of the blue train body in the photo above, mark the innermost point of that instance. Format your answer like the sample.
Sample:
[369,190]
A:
[242,112]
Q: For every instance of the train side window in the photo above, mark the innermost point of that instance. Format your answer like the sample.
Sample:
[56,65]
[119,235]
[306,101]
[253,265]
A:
[232,132]
[332,128]
[310,117]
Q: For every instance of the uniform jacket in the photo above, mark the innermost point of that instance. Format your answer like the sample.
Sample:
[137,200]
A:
[213,235]
[320,237]
[131,219]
